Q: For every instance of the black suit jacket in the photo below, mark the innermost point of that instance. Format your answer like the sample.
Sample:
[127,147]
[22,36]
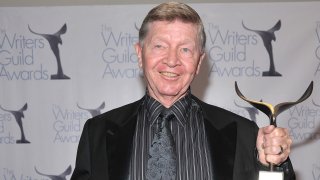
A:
[104,149]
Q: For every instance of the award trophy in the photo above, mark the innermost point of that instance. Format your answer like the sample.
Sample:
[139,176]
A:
[272,112]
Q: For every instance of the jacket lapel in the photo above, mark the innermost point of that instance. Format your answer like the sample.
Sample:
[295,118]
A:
[221,131]
[222,145]
[119,145]
[119,139]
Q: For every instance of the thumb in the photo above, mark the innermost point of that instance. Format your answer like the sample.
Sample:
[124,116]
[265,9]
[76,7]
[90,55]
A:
[268,129]
[261,133]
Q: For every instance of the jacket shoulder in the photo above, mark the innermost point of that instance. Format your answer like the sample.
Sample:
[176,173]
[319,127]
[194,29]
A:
[222,117]
[117,116]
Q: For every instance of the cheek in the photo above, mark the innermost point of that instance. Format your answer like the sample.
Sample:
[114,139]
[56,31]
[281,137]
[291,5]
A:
[191,68]
[151,62]
[150,67]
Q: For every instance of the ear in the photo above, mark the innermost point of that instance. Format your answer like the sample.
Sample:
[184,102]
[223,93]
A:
[202,56]
[138,49]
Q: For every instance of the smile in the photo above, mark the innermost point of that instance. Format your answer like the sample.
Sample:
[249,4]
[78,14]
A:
[169,74]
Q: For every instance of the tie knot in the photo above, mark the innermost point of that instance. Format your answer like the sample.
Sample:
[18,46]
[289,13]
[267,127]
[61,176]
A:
[166,114]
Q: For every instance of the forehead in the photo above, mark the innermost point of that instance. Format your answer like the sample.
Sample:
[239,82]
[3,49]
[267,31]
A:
[175,27]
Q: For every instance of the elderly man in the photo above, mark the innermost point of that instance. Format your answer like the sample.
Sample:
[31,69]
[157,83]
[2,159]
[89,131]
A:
[169,133]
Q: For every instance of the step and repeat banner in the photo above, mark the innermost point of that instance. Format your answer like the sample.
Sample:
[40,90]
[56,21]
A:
[60,66]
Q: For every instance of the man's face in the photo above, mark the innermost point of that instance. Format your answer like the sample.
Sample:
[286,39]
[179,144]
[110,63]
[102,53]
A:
[170,58]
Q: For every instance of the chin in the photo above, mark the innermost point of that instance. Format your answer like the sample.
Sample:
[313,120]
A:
[171,92]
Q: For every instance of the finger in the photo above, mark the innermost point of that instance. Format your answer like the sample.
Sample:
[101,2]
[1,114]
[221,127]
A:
[277,141]
[277,159]
[276,148]
[277,154]
[273,150]
[277,132]
[273,144]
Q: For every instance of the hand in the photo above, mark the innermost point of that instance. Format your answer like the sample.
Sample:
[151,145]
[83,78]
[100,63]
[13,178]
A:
[273,145]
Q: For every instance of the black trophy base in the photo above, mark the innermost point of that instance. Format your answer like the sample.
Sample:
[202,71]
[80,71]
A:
[23,141]
[59,76]
[271,73]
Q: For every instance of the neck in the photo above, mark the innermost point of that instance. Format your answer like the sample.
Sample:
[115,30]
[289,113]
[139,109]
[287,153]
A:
[167,101]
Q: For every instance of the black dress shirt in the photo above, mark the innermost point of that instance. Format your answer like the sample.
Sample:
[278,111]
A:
[193,157]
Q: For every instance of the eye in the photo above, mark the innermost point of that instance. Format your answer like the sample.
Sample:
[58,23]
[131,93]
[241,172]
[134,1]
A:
[186,52]
[158,46]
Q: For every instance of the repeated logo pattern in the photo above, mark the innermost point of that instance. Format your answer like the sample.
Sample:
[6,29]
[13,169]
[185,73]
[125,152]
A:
[111,60]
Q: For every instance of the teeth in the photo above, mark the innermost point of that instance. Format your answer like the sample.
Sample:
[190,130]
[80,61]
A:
[169,74]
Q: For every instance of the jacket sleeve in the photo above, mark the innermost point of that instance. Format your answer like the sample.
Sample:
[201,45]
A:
[82,169]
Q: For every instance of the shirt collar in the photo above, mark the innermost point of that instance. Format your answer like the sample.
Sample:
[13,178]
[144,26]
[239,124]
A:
[180,108]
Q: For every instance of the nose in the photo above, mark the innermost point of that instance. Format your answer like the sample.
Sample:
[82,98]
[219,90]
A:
[172,59]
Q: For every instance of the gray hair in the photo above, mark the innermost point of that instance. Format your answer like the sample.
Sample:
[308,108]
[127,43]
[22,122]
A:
[171,11]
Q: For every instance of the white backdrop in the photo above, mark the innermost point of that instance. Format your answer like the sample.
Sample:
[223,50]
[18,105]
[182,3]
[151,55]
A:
[97,55]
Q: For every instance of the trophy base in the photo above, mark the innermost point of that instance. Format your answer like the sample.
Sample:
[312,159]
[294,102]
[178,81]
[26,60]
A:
[22,141]
[271,73]
[268,175]
[59,76]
